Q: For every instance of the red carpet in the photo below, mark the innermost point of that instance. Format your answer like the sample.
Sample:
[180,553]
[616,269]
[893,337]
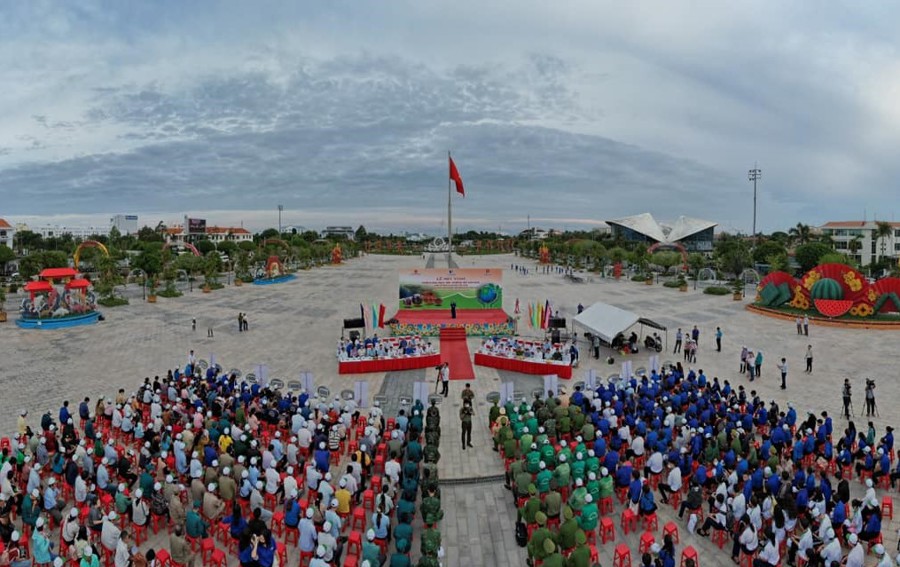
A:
[442,316]
[455,350]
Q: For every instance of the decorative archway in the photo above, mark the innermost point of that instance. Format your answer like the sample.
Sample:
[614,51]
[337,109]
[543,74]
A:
[676,245]
[750,276]
[187,245]
[88,244]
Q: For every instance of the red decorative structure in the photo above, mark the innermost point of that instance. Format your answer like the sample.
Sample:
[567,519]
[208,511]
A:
[58,299]
[544,254]
[336,254]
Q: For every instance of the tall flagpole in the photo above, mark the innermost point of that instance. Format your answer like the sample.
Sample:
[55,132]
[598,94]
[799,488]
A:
[449,216]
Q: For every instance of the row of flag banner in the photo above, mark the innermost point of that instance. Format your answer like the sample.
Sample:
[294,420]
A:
[375,318]
[538,314]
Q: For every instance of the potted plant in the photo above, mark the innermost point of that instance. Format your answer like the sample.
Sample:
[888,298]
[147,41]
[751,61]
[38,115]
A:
[737,290]
[648,279]
[151,293]
[682,283]
[2,304]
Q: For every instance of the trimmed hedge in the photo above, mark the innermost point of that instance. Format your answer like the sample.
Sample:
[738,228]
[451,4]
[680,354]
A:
[112,301]
[716,290]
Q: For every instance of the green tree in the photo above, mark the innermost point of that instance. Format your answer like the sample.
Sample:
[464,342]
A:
[32,264]
[855,245]
[836,258]
[617,254]
[247,245]
[150,261]
[147,234]
[800,234]
[27,240]
[229,247]
[639,255]
[809,254]
[779,263]
[108,276]
[212,265]
[6,256]
[205,246]
[883,230]
[766,249]
[665,260]
[733,255]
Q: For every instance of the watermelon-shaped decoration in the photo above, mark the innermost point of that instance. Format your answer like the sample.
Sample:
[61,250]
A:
[827,288]
[832,307]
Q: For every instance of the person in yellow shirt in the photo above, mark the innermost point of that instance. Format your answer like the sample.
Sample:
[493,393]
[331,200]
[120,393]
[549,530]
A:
[343,497]
[23,425]
[225,442]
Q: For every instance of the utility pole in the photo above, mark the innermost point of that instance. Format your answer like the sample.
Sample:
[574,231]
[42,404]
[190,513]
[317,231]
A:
[754,175]
[280,209]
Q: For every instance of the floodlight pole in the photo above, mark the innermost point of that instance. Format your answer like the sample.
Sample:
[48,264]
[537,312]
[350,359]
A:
[754,175]
[280,209]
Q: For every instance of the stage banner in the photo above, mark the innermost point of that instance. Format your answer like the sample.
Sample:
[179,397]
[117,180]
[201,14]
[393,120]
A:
[468,288]
[307,382]
[590,379]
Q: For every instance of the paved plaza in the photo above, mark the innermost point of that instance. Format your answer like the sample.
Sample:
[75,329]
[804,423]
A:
[294,327]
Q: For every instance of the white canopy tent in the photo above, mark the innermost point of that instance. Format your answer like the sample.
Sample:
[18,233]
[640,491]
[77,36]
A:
[606,321]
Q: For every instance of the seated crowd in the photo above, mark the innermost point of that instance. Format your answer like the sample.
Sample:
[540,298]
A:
[546,351]
[216,462]
[389,347]
[772,485]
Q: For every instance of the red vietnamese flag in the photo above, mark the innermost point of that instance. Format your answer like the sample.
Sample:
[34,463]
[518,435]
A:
[457,178]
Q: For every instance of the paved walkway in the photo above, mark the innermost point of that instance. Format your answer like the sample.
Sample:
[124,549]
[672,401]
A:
[294,326]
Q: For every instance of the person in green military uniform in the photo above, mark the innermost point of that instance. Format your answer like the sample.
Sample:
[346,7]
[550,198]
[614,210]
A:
[536,543]
[590,515]
[431,452]
[526,439]
[553,501]
[567,529]
[578,418]
[532,506]
[588,433]
[465,416]
[563,472]
[493,413]
[523,480]
[431,508]
[433,416]
[431,542]
[553,558]
[548,430]
[581,555]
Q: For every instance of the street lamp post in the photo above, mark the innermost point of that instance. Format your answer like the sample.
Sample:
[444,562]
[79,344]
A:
[754,175]
[280,209]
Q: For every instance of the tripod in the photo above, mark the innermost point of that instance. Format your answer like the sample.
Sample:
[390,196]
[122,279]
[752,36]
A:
[874,408]
[847,411]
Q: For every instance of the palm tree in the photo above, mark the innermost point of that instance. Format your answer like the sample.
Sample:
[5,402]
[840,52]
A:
[882,231]
[855,245]
[800,233]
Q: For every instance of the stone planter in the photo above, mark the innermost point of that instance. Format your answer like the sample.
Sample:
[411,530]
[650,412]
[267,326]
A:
[683,287]
[239,282]
[151,299]
[649,281]
[2,316]
[737,296]
[206,289]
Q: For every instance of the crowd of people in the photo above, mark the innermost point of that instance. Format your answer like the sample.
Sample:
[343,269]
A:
[212,461]
[389,347]
[772,485]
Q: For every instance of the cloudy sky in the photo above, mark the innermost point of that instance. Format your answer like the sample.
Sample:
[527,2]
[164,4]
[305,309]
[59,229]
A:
[343,111]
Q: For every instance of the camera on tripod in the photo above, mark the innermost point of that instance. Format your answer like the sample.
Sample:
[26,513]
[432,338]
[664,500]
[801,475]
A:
[847,388]
[870,384]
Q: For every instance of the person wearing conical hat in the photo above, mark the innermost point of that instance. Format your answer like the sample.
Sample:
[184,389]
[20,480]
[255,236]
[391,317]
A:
[581,555]
[553,558]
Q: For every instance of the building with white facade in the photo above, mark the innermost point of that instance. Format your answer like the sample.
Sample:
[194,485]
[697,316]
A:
[57,230]
[7,233]
[345,231]
[860,240]
[125,224]
[176,234]
[696,235]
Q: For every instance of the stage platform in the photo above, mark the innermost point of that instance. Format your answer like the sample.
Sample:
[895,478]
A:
[429,322]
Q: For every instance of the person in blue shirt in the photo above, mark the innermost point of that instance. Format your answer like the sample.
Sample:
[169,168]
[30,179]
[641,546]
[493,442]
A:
[635,488]
[884,465]
[872,527]
[623,475]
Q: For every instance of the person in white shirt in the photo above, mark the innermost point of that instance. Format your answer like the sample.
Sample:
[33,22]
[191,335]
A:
[857,555]
[885,558]
[747,542]
[768,556]
[739,505]
[655,463]
[637,446]
[802,546]
[832,551]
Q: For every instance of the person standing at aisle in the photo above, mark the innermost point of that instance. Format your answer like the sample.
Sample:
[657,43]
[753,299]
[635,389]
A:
[445,379]
[719,339]
[783,367]
[799,322]
[240,322]
[595,342]
[809,359]
[678,338]
[465,416]
[806,325]
[695,335]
